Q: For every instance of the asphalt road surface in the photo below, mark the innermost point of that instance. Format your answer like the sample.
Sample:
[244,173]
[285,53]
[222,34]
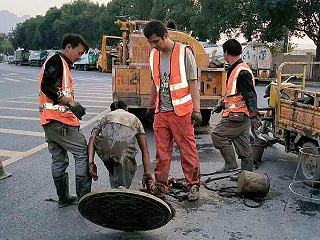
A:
[25,213]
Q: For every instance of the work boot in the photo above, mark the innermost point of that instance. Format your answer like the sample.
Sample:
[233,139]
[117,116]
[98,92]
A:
[3,174]
[246,164]
[229,158]
[83,185]
[62,186]
[193,193]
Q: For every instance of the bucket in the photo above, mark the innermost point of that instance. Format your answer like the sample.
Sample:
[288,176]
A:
[253,184]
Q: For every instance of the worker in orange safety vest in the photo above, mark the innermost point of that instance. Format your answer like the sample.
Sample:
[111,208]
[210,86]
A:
[240,111]
[59,117]
[175,100]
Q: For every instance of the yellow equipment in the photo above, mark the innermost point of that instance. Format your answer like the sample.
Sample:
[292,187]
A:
[131,72]
[293,117]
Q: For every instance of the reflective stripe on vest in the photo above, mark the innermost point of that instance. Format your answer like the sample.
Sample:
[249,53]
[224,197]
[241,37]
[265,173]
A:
[234,101]
[178,82]
[58,112]
[56,107]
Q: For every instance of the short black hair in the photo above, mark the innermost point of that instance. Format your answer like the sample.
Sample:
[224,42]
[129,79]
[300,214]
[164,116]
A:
[155,27]
[74,40]
[118,105]
[233,47]
[171,25]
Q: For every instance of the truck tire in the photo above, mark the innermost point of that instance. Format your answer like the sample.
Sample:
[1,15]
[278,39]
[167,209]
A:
[85,68]
[309,167]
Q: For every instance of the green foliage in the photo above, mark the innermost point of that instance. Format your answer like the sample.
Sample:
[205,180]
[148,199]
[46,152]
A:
[5,44]
[266,21]
[178,12]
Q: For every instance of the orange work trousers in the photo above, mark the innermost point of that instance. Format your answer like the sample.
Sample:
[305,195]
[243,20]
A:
[169,127]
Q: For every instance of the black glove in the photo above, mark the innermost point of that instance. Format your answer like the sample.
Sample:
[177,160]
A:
[150,114]
[196,118]
[255,122]
[218,108]
[76,109]
[93,171]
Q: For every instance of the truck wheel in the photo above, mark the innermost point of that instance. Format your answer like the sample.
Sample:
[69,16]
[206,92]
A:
[100,69]
[309,168]
[206,114]
[85,68]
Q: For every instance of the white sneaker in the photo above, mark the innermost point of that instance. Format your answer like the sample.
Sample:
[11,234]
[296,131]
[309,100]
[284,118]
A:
[193,193]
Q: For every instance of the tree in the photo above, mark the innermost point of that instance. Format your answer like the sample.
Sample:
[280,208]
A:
[5,44]
[179,12]
[309,23]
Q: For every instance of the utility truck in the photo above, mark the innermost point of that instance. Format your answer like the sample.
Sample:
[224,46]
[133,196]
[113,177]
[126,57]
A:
[293,118]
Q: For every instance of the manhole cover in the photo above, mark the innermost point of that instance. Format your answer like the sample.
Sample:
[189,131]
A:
[125,210]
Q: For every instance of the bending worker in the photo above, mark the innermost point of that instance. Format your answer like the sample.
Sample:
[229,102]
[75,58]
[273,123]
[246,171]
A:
[239,110]
[59,117]
[114,139]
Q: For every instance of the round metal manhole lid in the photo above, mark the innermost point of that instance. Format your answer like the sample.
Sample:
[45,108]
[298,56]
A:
[125,210]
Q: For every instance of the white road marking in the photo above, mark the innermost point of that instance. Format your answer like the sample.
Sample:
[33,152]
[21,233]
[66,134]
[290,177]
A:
[22,132]
[44,145]
[29,79]
[20,118]
[11,79]
[7,153]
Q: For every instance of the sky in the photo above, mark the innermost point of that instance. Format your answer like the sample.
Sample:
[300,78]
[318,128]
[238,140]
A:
[35,7]
[39,7]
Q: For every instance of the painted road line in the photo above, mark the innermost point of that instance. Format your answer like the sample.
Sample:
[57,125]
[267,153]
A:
[20,118]
[80,96]
[14,101]
[7,153]
[22,132]
[29,79]
[105,101]
[44,145]
[18,97]
[37,110]
[11,79]
[22,109]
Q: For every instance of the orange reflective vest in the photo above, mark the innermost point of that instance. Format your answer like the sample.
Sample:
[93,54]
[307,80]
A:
[58,112]
[178,82]
[234,101]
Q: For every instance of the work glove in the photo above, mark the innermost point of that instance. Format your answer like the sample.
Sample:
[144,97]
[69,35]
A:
[147,181]
[218,108]
[255,122]
[93,171]
[150,114]
[76,109]
[196,118]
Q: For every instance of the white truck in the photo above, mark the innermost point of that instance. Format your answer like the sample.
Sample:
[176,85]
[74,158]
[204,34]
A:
[88,60]
[259,58]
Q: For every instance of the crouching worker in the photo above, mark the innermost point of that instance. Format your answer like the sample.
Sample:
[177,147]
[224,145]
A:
[114,139]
